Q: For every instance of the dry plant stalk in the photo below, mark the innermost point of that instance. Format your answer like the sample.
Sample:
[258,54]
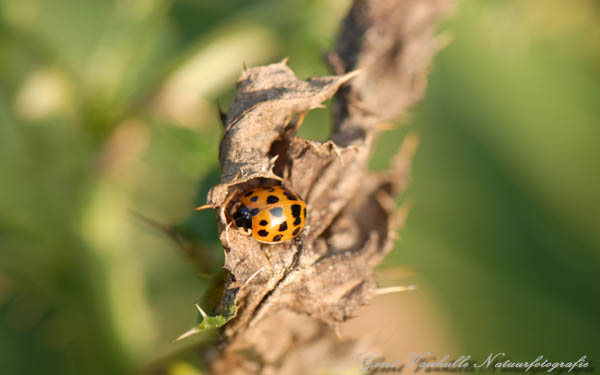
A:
[290,296]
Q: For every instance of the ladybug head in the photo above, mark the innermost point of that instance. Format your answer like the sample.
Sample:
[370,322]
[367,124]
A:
[242,218]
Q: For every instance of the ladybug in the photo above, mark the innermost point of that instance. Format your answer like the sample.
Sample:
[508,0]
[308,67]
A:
[271,214]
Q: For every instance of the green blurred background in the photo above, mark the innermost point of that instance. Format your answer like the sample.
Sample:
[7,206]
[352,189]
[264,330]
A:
[108,108]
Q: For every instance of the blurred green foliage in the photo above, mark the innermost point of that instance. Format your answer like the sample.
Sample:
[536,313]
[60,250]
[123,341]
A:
[107,108]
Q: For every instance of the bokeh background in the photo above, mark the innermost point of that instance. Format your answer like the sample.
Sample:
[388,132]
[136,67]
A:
[109,135]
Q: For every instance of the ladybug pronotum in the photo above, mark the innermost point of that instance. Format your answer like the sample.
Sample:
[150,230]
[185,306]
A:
[271,214]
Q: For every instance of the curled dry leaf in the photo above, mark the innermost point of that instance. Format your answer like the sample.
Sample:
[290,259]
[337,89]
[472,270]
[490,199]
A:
[294,289]
[259,145]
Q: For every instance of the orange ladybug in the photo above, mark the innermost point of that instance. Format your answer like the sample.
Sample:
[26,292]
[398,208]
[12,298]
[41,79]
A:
[271,214]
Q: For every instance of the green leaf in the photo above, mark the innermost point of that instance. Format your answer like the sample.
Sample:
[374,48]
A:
[210,322]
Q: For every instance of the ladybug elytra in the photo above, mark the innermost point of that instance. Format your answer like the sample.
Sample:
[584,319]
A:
[271,214]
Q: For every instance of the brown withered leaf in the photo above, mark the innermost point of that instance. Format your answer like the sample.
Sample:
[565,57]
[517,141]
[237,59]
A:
[259,146]
[286,295]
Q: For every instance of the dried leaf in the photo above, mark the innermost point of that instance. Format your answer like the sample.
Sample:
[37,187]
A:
[324,276]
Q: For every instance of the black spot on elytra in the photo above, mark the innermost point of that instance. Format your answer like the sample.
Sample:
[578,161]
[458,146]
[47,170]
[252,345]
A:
[248,193]
[304,211]
[272,199]
[254,198]
[296,209]
[263,222]
[254,211]
[277,211]
[290,196]
[296,231]
[283,227]
[277,238]
[263,233]
[298,220]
